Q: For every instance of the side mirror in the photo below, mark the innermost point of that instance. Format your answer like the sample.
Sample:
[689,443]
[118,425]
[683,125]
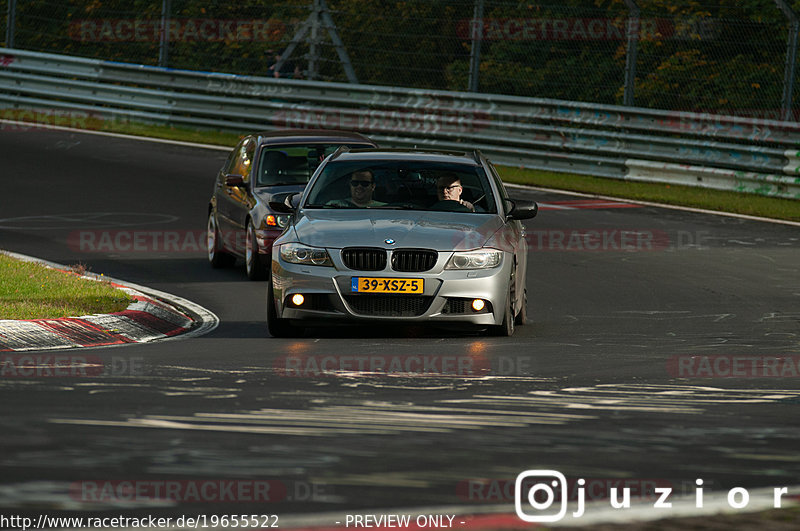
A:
[523,209]
[285,203]
[232,179]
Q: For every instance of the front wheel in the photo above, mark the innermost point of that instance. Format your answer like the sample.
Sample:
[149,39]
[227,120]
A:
[278,327]
[506,328]
[522,314]
[253,260]
[216,256]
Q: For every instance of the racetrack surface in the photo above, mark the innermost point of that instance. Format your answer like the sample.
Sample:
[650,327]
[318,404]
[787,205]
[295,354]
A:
[662,346]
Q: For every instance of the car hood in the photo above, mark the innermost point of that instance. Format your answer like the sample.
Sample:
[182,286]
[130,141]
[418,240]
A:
[442,231]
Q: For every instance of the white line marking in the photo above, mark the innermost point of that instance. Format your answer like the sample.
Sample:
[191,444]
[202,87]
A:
[658,205]
[119,135]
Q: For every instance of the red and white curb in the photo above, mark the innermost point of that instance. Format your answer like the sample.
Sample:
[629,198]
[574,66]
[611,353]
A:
[153,316]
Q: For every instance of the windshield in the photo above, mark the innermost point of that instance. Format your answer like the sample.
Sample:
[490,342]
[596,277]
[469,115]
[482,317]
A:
[407,184]
[292,163]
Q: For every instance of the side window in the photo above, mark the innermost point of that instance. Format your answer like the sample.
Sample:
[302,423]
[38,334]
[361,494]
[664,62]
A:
[500,186]
[229,164]
[241,162]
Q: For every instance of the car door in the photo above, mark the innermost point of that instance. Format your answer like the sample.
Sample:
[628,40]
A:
[234,202]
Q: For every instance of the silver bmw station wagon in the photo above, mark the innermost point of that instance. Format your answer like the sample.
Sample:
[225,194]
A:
[403,236]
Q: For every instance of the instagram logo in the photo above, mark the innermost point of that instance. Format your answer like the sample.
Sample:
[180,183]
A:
[536,487]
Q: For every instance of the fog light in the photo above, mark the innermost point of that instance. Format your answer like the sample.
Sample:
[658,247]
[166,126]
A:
[298,299]
[478,305]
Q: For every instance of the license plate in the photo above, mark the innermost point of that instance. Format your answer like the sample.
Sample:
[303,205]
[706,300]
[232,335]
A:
[386,285]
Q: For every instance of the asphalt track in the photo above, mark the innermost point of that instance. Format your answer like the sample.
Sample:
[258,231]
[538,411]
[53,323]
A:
[621,299]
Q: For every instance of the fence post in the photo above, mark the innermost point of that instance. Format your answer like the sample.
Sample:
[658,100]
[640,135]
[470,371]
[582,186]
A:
[791,59]
[634,25]
[475,52]
[313,52]
[12,12]
[163,42]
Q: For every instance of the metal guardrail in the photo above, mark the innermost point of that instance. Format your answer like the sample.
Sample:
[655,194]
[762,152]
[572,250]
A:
[722,152]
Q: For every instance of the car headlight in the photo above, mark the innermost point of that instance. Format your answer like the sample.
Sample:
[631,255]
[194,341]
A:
[297,253]
[482,259]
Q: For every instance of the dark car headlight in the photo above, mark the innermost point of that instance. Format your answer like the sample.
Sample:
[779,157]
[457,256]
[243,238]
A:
[297,253]
[481,259]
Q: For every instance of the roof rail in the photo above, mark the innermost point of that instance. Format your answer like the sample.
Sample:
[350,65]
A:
[477,155]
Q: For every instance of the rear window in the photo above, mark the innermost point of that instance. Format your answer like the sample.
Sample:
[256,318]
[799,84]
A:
[292,164]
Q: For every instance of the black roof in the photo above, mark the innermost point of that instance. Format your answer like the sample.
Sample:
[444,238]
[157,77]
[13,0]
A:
[415,154]
[311,135]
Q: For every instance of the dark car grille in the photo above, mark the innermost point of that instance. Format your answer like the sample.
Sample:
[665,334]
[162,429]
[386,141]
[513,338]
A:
[455,306]
[413,260]
[389,305]
[364,259]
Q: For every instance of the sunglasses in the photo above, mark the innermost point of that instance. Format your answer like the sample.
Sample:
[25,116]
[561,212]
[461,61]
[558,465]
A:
[363,184]
[451,187]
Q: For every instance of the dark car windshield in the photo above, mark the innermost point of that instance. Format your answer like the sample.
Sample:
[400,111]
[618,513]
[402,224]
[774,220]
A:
[406,184]
[292,163]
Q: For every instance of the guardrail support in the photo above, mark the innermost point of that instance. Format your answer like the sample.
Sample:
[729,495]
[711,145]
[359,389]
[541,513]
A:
[320,16]
[10,23]
[163,42]
[634,26]
[475,51]
[791,59]
[313,54]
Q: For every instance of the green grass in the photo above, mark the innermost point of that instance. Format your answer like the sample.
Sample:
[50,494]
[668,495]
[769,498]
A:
[183,134]
[33,291]
[750,204]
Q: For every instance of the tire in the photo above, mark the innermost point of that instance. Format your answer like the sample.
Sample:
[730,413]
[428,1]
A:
[506,328]
[216,256]
[522,314]
[253,261]
[278,327]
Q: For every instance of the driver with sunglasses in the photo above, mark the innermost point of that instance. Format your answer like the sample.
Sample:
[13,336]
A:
[362,186]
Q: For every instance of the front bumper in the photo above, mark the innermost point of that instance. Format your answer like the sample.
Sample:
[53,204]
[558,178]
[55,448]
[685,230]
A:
[446,296]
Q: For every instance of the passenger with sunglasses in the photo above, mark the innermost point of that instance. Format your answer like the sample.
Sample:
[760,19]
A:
[362,186]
